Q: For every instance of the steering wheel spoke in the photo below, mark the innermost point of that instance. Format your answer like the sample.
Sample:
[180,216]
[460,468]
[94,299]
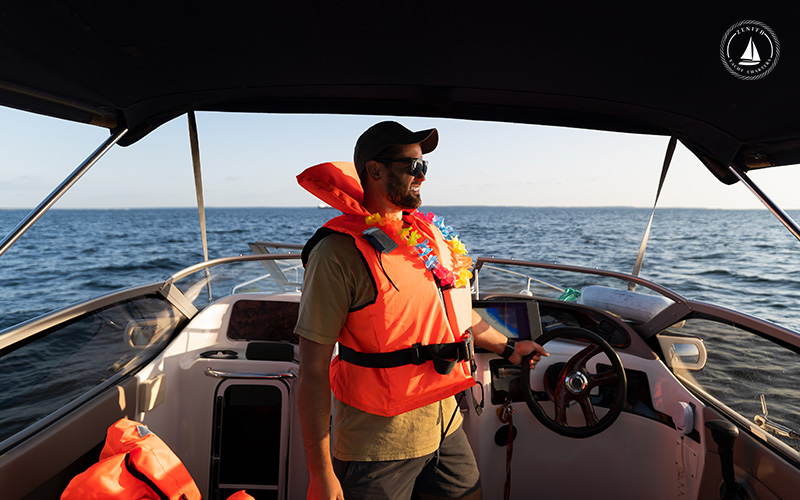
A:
[562,400]
[579,360]
[561,413]
[575,383]
[588,411]
[604,378]
[585,405]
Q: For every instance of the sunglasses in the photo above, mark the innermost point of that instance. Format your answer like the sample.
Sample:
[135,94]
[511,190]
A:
[418,166]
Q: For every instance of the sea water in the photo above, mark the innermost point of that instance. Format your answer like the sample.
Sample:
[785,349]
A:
[744,260]
[741,259]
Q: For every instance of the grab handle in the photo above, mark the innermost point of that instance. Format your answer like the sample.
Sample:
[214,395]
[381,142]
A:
[260,376]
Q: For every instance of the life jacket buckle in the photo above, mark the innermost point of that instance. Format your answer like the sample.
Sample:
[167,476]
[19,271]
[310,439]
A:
[467,352]
[417,356]
[465,349]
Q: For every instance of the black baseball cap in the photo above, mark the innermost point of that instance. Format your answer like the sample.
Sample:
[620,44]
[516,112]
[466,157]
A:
[384,134]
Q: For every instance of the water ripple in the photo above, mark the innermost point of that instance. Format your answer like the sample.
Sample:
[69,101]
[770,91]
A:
[742,259]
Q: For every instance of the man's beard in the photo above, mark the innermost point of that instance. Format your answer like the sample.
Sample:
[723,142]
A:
[400,195]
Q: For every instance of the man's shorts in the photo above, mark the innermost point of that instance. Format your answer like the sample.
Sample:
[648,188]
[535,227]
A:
[451,474]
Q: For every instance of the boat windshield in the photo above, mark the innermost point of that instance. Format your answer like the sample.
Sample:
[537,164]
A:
[601,289]
[747,375]
[206,283]
[89,350]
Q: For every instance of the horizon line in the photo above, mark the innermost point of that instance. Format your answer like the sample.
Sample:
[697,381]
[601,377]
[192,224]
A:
[331,208]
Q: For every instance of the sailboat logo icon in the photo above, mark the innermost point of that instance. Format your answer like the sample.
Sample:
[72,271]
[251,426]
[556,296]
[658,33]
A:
[750,56]
[749,50]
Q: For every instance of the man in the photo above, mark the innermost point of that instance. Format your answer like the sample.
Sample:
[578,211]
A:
[391,286]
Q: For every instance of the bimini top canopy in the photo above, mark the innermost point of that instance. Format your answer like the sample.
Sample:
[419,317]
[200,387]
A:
[722,78]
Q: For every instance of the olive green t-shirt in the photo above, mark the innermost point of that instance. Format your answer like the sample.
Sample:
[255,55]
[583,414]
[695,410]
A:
[336,281]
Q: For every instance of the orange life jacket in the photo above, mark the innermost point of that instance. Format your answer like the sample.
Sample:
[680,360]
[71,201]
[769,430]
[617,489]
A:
[135,464]
[409,308]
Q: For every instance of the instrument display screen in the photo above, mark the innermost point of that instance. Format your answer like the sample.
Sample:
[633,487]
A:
[514,319]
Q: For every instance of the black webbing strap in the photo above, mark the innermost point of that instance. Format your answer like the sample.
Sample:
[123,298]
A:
[444,356]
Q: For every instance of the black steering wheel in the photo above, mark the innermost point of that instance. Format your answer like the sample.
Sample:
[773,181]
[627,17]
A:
[574,383]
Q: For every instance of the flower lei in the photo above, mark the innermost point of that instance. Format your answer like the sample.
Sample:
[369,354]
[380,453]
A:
[460,275]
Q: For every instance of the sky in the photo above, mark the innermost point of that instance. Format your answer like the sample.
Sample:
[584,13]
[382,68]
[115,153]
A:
[251,160]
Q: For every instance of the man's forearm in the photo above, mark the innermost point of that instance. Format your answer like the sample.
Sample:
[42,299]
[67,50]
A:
[314,404]
[492,340]
[486,336]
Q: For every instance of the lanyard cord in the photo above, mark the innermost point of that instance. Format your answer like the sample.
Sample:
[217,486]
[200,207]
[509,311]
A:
[378,253]
[506,416]
[445,429]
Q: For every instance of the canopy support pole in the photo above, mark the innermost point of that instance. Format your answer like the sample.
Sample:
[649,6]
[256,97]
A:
[782,216]
[59,191]
[198,187]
